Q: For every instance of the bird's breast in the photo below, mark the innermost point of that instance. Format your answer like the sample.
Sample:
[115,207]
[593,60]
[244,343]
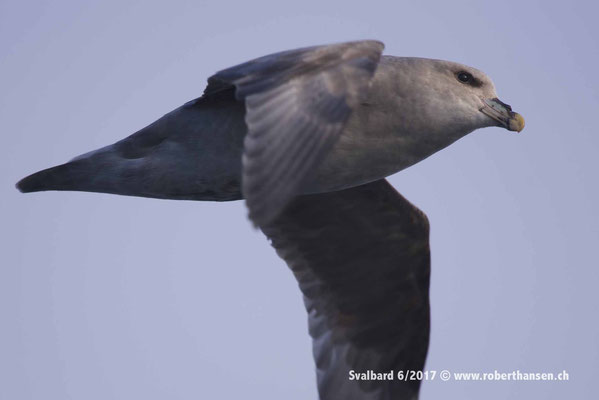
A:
[377,142]
[369,149]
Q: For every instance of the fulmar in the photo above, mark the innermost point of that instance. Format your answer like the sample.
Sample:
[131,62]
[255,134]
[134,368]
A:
[307,138]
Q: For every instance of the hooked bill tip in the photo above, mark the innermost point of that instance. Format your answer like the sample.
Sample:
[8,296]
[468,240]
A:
[516,123]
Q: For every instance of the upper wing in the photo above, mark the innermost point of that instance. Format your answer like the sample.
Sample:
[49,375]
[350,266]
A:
[297,103]
[361,257]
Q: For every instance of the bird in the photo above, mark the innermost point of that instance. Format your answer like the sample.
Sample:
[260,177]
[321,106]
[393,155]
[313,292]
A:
[307,137]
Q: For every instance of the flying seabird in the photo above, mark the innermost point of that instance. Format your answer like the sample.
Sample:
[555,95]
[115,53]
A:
[307,138]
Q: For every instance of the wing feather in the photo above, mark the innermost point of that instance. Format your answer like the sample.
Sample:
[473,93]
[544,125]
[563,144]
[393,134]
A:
[361,258]
[297,103]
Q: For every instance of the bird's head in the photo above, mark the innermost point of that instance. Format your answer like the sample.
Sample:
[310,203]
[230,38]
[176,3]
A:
[478,93]
[454,97]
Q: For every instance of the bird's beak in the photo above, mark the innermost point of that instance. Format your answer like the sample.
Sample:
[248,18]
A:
[503,114]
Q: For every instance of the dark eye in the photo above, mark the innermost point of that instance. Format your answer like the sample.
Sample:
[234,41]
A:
[464,77]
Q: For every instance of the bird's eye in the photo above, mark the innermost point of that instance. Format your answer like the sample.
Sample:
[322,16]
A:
[464,76]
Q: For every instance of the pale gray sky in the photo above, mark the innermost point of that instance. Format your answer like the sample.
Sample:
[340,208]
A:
[108,297]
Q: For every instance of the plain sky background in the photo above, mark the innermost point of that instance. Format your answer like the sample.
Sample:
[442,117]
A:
[111,297]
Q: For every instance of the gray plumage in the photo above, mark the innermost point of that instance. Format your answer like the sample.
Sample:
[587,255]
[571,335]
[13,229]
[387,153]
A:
[307,137]
[309,93]
[361,257]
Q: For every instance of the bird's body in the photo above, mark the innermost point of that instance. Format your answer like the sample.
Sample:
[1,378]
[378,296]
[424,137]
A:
[307,137]
[195,151]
